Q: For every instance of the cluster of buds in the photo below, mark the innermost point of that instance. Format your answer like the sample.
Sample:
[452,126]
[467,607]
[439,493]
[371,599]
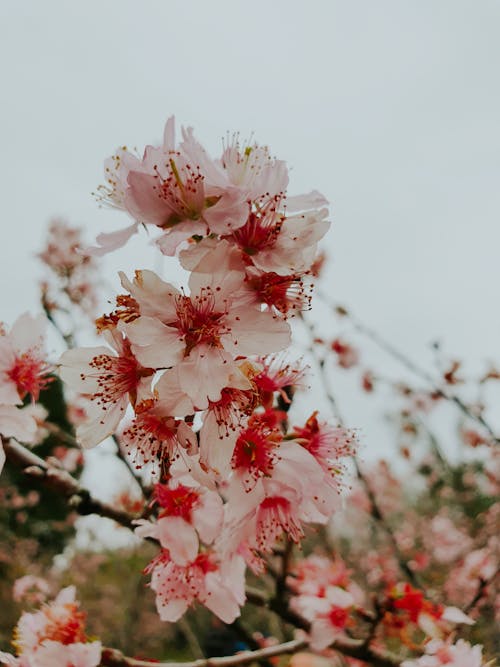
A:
[72,271]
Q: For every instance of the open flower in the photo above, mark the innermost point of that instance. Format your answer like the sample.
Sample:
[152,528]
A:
[54,636]
[202,333]
[110,379]
[23,366]
[189,513]
[218,585]
[438,653]
[175,187]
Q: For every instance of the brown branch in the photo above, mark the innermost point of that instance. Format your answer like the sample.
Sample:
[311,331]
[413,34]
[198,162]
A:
[78,497]
[481,590]
[114,658]
[61,434]
[352,648]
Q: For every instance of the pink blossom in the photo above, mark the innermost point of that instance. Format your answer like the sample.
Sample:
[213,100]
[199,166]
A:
[347,355]
[331,618]
[23,367]
[23,372]
[270,243]
[252,168]
[438,653]
[109,378]
[219,586]
[255,453]
[177,188]
[221,427]
[275,243]
[329,445]
[189,513]
[55,654]
[155,436]
[54,636]
[275,492]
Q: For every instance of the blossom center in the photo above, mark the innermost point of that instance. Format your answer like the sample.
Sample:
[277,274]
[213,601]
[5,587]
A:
[27,373]
[198,320]
[179,501]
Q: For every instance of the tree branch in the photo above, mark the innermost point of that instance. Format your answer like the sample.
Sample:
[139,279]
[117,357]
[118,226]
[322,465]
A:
[79,498]
[114,658]
[481,590]
[376,511]
[351,648]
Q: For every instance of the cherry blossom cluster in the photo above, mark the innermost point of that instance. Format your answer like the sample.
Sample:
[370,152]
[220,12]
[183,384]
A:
[325,594]
[195,378]
[72,271]
[195,385]
[53,636]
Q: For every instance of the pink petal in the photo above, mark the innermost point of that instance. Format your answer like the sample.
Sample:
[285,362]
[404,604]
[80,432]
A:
[179,537]
[17,423]
[219,599]
[171,240]
[313,199]
[111,241]
[456,615]
[101,423]
[171,610]
[255,332]
[208,516]
[156,298]
[154,344]
[142,199]
[230,212]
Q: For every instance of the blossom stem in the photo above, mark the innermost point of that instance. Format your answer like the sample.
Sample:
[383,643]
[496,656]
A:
[351,648]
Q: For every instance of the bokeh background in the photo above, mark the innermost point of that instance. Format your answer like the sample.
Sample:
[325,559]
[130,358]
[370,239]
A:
[390,108]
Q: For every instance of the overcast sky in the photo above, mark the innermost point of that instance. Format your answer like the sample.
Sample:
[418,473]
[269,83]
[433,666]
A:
[390,108]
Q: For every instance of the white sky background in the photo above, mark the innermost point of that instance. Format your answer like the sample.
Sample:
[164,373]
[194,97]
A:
[390,108]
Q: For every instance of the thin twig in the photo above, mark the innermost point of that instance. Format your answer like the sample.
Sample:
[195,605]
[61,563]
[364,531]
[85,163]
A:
[350,648]
[376,511]
[191,638]
[114,658]
[61,434]
[68,338]
[408,363]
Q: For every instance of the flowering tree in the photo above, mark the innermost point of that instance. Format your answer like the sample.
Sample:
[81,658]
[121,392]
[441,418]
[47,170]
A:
[195,384]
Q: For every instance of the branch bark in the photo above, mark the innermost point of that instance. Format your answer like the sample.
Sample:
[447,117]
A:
[78,497]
